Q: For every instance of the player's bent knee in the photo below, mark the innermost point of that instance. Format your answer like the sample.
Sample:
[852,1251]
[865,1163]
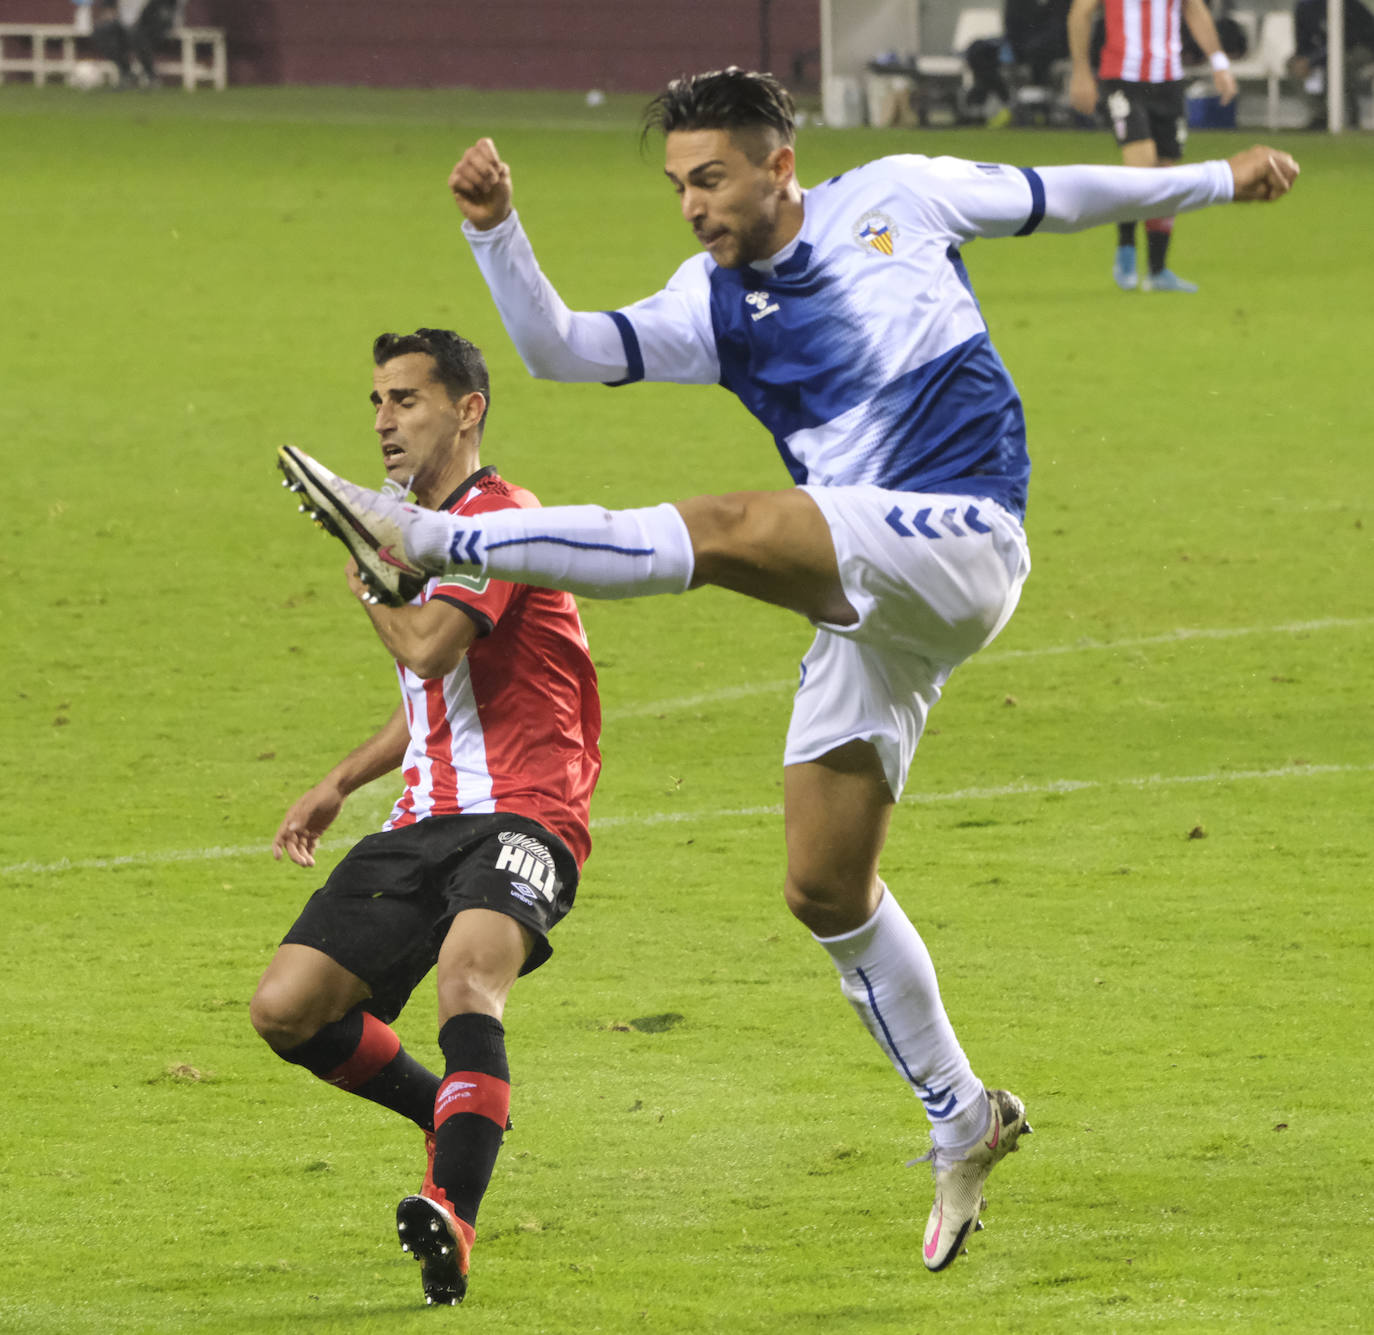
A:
[829,907]
[812,904]
[280,1021]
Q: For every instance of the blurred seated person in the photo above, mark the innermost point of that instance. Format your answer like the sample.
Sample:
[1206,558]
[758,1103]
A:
[128,32]
[1035,35]
[1308,62]
[154,25]
[1230,34]
[110,36]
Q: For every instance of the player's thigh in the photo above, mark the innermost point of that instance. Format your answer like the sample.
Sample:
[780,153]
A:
[1140,153]
[837,810]
[482,956]
[1168,113]
[771,545]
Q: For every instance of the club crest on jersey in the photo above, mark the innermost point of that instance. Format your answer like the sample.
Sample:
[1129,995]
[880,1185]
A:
[876,231]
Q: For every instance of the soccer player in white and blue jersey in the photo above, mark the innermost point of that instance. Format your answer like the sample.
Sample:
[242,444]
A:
[843,317]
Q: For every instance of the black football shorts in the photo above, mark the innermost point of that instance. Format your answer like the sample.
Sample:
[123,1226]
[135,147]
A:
[386,908]
[1147,111]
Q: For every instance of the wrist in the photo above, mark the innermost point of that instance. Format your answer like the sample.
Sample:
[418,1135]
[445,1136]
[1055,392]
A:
[487,226]
[1220,61]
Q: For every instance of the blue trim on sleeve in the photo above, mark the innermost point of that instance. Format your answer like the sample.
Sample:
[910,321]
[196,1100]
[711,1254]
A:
[634,358]
[1037,189]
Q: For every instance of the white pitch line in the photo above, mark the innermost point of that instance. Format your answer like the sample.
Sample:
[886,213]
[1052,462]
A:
[1179,636]
[1051,787]
[1012,790]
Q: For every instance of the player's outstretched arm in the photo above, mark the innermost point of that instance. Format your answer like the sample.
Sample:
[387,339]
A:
[311,814]
[1262,174]
[481,184]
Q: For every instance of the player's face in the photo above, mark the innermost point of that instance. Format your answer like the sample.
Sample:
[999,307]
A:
[733,204]
[417,422]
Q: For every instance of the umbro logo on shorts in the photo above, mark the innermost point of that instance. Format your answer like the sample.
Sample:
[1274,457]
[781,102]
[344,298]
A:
[529,860]
[919,522]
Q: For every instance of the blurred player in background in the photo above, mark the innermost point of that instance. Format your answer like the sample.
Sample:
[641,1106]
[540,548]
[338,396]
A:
[1142,86]
[496,737]
[844,319]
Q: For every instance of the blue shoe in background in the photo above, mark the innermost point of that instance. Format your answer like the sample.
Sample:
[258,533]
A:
[1166,280]
[1123,269]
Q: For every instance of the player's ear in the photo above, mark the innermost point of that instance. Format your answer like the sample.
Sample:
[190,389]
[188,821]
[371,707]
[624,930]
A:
[782,163]
[470,409]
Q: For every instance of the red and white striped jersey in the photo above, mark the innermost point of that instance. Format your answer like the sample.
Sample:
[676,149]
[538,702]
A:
[516,725]
[1144,41]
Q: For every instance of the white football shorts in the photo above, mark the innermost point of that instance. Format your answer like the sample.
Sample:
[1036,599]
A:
[933,577]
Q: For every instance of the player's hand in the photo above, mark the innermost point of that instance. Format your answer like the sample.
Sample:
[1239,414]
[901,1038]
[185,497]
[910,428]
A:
[1262,173]
[1225,83]
[355,583]
[1083,92]
[481,184]
[309,817]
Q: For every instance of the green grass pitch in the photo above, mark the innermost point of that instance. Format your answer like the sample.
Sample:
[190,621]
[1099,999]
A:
[1137,837]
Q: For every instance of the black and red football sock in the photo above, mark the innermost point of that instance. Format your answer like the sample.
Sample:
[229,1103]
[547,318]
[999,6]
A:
[1125,234]
[1158,233]
[362,1055]
[470,1112]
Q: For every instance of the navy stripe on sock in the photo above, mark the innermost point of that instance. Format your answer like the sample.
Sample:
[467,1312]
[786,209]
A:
[570,542]
[930,1096]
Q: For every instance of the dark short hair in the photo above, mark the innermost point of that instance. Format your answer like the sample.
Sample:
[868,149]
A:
[458,365]
[731,99]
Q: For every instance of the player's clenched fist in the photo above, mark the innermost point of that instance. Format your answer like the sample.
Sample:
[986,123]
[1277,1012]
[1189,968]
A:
[1262,173]
[481,185]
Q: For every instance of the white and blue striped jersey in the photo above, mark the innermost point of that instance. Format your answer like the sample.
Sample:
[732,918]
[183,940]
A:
[860,345]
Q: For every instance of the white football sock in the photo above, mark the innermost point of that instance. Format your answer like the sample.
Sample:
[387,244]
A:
[584,549]
[887,977]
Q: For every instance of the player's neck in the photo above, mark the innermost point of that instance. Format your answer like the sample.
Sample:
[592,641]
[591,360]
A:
[462,464]
[791,215]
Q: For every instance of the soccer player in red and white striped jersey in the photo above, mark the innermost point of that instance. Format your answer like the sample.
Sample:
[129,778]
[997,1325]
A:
[497,740]
[1141,73]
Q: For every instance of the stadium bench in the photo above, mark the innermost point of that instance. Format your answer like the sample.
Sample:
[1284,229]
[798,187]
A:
[46,51]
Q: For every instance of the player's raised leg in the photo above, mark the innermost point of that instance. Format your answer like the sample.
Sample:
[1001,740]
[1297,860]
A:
[770,545]
[837,812]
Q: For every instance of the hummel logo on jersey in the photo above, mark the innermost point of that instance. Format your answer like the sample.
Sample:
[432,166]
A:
[762,306]
[877,231]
